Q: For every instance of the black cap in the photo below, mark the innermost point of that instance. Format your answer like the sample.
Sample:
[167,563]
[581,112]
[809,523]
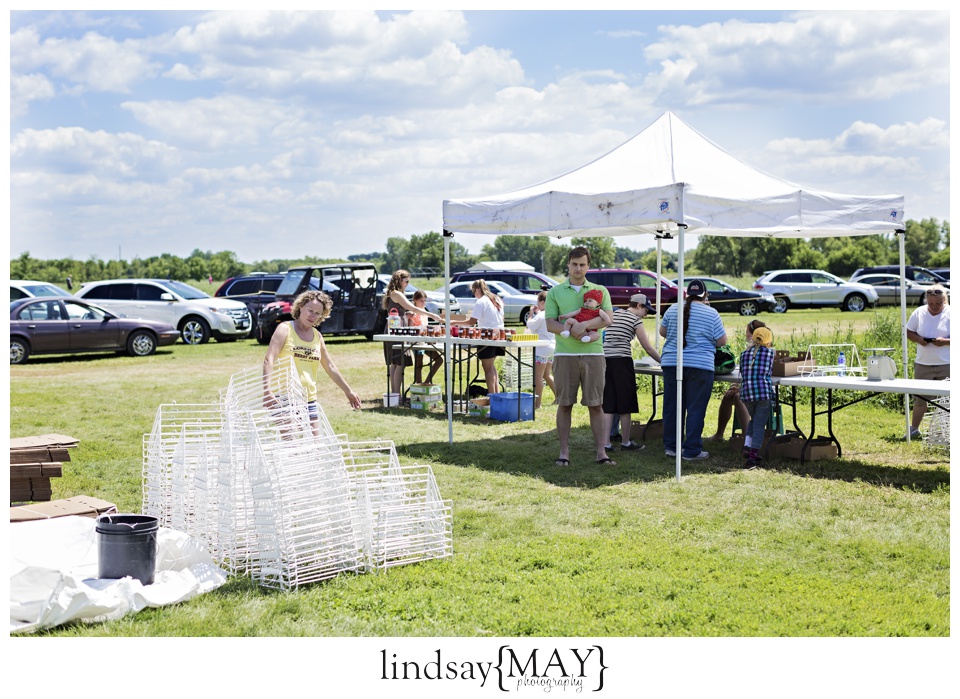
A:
[696,288]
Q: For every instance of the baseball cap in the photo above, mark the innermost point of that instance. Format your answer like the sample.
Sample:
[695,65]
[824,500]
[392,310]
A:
[641,301]
[696,288]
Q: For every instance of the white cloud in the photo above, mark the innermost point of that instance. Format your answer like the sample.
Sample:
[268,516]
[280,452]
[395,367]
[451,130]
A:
[863,137]
[91,63]
[73,151]
[812,57]
[25,89]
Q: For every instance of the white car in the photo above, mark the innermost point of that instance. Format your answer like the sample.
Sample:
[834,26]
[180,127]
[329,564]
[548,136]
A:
[434,302]
[28,288]
[196,314]
[516,305]
[814,288]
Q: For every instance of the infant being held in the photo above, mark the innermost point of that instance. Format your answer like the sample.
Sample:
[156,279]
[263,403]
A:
[590,310]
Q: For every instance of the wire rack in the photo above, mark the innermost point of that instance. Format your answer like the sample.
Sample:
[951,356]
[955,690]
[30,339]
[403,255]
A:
[274,498]
[936,425]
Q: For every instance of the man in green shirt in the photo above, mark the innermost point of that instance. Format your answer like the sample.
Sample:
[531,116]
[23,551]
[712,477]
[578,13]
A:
[577,365]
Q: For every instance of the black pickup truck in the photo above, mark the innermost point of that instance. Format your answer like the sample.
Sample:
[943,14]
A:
[352,286]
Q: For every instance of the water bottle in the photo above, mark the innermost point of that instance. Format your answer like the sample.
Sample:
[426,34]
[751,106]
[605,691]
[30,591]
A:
[842,361]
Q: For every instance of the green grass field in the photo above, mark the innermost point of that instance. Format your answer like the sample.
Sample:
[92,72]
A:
[853,547]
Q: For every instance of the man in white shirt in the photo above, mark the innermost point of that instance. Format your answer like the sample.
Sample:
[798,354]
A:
[929,327]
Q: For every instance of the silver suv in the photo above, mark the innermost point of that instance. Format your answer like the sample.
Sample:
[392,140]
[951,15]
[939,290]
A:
[194,313]
[813,288]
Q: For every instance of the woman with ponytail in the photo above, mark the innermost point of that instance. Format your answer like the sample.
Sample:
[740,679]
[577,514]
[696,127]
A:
[487,313]
[756,388]
[703,332]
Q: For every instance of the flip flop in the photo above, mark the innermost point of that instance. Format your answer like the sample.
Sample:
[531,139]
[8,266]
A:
[606,462]
[562,462]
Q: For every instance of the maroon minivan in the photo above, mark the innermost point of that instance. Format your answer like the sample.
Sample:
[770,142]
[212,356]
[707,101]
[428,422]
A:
[624,283]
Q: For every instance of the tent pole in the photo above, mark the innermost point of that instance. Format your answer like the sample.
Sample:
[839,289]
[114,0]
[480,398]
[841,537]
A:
[447,347]
[656,339]
[908,413]
[679,304]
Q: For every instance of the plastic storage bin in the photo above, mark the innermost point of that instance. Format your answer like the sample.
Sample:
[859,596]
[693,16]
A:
[503,406]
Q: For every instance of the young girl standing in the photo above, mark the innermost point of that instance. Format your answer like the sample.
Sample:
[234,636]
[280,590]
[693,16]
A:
[756,388]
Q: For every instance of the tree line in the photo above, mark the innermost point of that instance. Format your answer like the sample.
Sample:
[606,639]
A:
[927,244]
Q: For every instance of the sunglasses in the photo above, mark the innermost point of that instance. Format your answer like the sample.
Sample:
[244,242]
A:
[935,292]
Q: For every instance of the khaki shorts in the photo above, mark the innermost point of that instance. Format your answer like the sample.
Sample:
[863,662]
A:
[585,372]
[933,372]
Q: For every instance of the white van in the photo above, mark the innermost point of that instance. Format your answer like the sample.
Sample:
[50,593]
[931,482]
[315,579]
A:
[196,314]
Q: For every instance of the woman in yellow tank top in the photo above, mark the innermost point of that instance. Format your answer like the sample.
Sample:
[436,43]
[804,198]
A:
[301,340]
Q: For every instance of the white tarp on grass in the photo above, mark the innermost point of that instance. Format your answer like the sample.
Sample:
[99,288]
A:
[53,575]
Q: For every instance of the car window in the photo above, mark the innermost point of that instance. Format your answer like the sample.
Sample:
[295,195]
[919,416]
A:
[921,276]
[820,278]
[271,284]
[791,278]
[45,310]
[119,292]
[75,311]
[244,286]
[461,292]
[184,290]
[149,292]
[16,293]
[291,282]
[714,286]
[528,284]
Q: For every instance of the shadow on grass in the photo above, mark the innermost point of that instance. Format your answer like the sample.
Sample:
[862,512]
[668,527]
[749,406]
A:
[533,453]
[85,357]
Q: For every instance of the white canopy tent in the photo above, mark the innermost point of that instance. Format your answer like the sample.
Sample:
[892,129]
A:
[667,181]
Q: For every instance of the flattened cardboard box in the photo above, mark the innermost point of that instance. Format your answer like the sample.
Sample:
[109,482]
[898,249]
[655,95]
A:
[45,440]
[81,505]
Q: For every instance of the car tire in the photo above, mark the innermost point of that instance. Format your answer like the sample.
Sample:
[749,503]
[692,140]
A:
[194,330]
[749,308]
[263,337]
[855,303]
[141,343]
[254,324]
[524,314]
[19,350]
[782,303]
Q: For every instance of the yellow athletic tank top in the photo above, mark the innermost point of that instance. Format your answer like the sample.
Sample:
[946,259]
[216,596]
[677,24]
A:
[306,358]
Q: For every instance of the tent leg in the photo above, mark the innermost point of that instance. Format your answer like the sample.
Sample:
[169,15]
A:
[679,350]
[908,413]
[447,347]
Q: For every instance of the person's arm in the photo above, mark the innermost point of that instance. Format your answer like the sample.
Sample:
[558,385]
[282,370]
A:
[914,337]
[401,300]
[536,320]
[273,351]
[326,361]
[646,344]
[607,318]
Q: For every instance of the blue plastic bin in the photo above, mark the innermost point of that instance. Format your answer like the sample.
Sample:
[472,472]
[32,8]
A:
[503,406]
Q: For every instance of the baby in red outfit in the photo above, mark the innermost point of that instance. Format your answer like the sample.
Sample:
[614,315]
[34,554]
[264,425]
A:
[590,310]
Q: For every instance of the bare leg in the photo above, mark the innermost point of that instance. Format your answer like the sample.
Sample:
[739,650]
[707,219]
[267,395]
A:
[418,367]
[608,419]
[538,370]
[490,375]
[600,428]
[396,377]
[435,363]
[626,419]
[548,378]
[743,415]
[564,415]
[919,410]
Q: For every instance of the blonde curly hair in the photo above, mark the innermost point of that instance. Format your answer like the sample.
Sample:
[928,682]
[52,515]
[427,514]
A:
[312,295]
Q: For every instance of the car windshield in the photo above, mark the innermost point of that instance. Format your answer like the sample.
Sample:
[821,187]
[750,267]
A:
[45,290]
[184,290]
[503,287]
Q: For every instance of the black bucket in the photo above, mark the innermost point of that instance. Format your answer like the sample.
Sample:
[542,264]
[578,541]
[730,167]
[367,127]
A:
[127,546]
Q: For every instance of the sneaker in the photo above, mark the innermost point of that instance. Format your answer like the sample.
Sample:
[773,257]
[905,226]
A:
[670,452]
[915,433]
[699,457]
[753,463]
[631,446]
[608,447]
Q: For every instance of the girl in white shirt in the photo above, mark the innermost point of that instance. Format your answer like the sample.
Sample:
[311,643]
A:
[487,313]
[543,367]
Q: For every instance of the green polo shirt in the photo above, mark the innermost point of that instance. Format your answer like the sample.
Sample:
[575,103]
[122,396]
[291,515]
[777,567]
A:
[563,298]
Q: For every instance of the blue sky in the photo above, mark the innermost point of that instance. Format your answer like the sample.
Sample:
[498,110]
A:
[282,135]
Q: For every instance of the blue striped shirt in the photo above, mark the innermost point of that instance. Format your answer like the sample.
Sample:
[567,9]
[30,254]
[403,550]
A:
[703,331]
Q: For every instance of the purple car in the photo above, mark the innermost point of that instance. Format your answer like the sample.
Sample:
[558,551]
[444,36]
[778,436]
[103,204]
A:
[65,325]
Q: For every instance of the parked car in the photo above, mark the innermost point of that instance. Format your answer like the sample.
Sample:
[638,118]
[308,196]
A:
[888,289]
[434,302]
[726,298]
[813,288]
[254,290]
[943,272]
[65,324]
[196,314]
[524,282]
[921,275]
[516,305]
[624,283]
[28,288]
[352,286]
